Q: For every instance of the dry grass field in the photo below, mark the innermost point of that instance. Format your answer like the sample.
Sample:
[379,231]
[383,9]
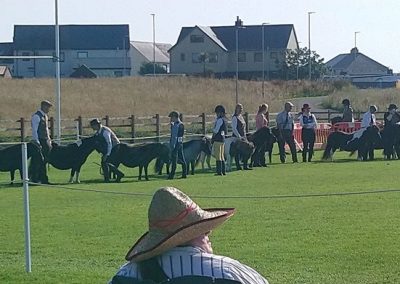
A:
[146,95]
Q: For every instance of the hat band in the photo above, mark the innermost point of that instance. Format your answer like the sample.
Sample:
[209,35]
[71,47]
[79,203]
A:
[168,222]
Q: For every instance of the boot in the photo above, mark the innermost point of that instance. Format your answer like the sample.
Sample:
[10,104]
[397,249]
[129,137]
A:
[310,156]
[219,168]
[223,172]
[185,170]
[305,156]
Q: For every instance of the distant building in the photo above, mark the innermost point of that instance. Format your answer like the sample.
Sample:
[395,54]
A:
[361,70]
[142,52]
[201,49]
[7,49]
[104,49]
[5,72]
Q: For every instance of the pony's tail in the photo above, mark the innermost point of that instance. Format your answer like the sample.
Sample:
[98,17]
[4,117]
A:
[352,153]
[158,166]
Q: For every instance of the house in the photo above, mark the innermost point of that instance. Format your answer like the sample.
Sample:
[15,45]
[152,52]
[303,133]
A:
[5,72]
[201,50]
[104,49]
[361,70]
[7,49]
[142,52]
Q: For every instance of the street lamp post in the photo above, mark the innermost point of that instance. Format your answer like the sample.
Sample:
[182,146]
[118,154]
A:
[154,44]
[237,61]
[298,58]
[263,58]
[309,44]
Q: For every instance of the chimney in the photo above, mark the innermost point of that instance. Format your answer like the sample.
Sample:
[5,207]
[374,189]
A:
[238,22]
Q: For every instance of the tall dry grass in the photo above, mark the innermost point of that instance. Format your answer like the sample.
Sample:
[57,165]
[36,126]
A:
[361,99]
[145,95]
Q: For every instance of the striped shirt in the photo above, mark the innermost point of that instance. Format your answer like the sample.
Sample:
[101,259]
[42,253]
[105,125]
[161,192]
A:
[183,261]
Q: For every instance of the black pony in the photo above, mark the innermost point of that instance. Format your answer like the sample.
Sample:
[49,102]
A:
[72,156]
[263,140]
[11,160]
[191,152]
[363,141]
[139,156]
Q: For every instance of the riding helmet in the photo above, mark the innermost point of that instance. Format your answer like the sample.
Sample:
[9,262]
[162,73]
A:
[346,102]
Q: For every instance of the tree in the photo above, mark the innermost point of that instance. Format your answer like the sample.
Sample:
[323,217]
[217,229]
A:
[297,64]
[148,68]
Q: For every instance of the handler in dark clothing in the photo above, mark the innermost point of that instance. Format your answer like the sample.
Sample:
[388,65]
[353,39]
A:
[111,144]
[285,124]
[308,123]
[347,111]
[391,119]
[176,144]
[41,135]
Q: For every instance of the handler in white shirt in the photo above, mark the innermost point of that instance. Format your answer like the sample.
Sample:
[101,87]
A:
[369,117]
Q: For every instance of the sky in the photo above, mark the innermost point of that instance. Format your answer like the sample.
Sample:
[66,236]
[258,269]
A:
[333,25]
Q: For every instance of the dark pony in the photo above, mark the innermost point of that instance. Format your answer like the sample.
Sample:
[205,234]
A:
[72,156]
[139,155]
[347,142]
[262,139]
[11,160]
[191,151]
[241,150]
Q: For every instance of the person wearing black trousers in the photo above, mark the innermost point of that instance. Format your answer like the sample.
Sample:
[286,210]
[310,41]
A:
[285,125]
[218,139]
[308,123]
[176,144]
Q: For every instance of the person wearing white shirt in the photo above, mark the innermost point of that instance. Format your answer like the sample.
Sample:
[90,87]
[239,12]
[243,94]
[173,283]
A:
[177,244]
[110,143]
[368,118]
[308,123]
[238,123]
[41,135]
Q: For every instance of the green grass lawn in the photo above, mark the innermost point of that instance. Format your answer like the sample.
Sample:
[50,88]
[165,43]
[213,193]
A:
[82,237]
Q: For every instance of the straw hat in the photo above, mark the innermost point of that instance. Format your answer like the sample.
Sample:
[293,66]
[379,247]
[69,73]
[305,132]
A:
[174,219]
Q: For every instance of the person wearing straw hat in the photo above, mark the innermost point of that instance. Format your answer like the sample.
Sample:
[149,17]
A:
[176,144]
[391,124]
[285,124]
[41,134]
[177,243]
[111,143]
[308,123]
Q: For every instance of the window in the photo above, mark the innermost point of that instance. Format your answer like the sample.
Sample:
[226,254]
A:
[62,57]
[82,54]
[183,57]
[26,54]
[196,57]
[196,38]
[242,57]
[274,55]
[213,57]
[258,57]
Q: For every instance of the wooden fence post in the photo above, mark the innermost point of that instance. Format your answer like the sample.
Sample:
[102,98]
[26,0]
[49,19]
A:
[246,119]
[203,123]
[329,116]
[107,118]
[22,128]
[133,134]
[52,127]
[158,127]
[80,126]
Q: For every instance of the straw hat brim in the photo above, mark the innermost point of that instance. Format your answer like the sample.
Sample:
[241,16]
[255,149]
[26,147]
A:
[152,244]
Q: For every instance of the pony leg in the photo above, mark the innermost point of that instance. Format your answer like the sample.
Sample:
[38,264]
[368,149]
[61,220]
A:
[71,178]
[145,172]
[12,173]
[77,173]
[208,161]
[140,172]
[237,162]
